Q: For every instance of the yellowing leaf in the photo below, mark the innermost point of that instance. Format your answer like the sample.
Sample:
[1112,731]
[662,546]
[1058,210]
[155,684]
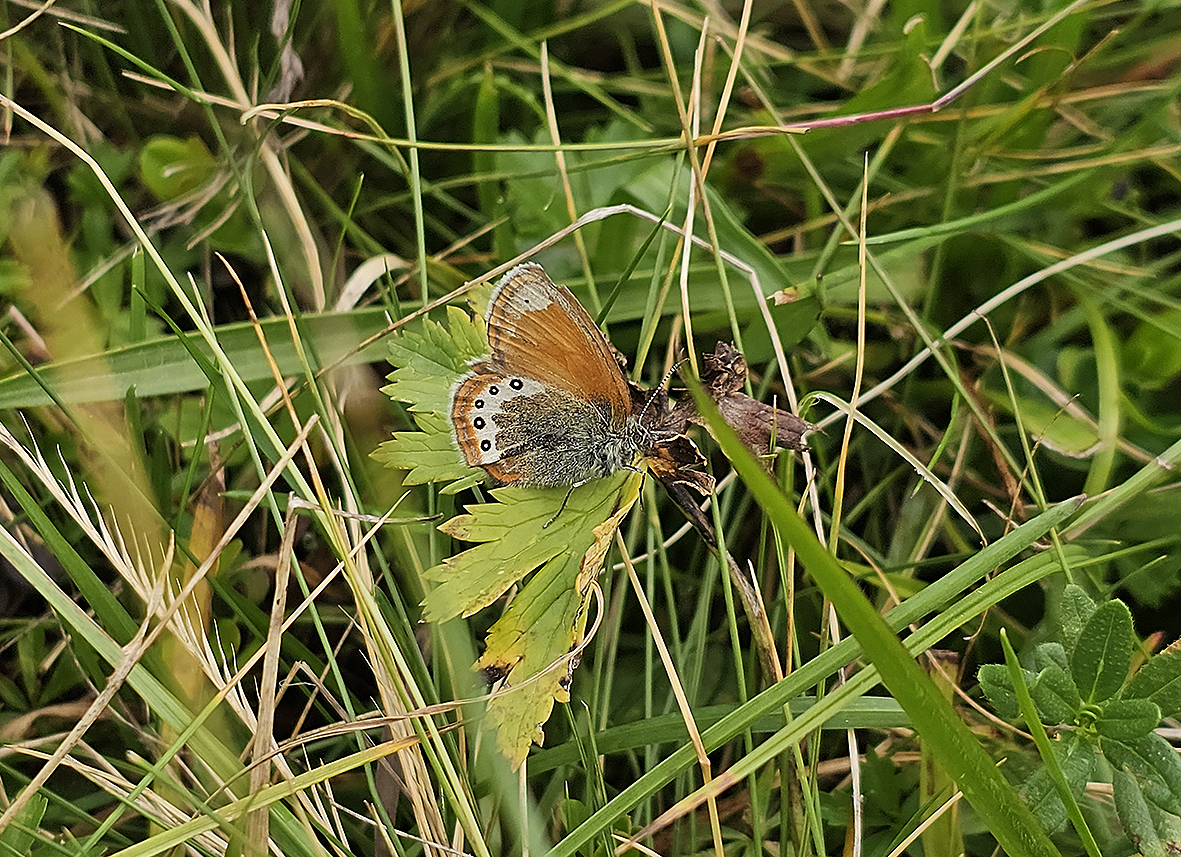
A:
[537,640]
[546,620]
[592,561]
[562,535]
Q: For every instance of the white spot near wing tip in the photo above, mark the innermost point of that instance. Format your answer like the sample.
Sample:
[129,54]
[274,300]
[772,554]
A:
[534,292]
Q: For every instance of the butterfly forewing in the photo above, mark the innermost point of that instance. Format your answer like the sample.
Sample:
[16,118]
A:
[538,328]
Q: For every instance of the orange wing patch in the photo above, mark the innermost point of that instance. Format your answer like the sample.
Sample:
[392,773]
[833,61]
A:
[538,328]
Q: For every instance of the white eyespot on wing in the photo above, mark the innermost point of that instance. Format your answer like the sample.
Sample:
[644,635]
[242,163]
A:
[477,399]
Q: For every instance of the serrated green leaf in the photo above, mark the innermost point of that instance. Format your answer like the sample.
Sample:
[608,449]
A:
[472,580]
[517,537]
[474,478]
[431,360]
[469,331]
[1055,695]
[424,394]
[1127,719]
[429,455]
[1103,654]
[1159,680]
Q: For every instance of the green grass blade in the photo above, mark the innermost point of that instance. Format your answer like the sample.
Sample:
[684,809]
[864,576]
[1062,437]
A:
[957,749]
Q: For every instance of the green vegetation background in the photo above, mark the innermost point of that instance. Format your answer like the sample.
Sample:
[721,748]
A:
[168,253]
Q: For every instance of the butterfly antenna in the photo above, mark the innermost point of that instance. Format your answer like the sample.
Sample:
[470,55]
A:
[660,386]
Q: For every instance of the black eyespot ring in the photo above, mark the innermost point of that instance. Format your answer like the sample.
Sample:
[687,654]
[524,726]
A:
[516,383]
[479,403]
[494,390]
[485,445]
[478,422]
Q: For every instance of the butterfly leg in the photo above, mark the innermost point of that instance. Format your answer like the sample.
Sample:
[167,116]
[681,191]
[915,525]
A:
[565,500]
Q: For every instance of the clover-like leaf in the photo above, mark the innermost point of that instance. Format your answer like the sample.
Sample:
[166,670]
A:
[1155,764]
[1134,814]
[1103,654]
[1050,654]
[1055,695]
[995,682]
[1076,759]
[172,167]
[1153,831]
[1074,610]
[1159,680]
[1127,719]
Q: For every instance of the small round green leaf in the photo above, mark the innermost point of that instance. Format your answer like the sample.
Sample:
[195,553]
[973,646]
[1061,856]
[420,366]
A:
[1159,680]
[1056,696]
[1128,719]
[1103,654]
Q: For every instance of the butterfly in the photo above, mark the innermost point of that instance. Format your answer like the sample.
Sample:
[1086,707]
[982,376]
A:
[550,405]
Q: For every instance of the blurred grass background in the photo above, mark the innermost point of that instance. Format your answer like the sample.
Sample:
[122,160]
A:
[414,146]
